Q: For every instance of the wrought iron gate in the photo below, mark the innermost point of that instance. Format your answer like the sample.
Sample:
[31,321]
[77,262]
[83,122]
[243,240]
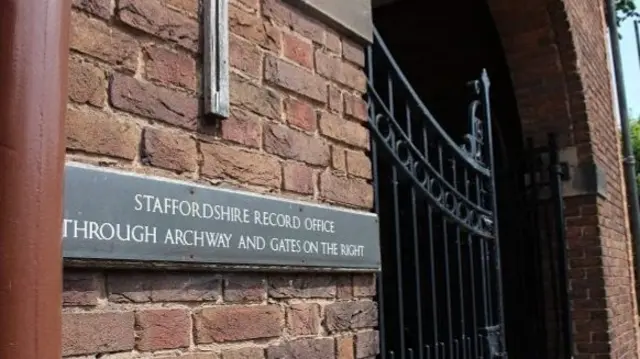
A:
[440,288]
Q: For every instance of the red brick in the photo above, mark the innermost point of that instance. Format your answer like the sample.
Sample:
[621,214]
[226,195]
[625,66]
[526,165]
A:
[364,285]
[290,17]
[87,83]
[162,329]
[254,98]
[346,190]
[252,5]
[244,288]
[243,353]
[342,316]
[367,344]
[242,127]
[295,79]
[303,319]
[189,6]
[156,19]
[171,67]
[244,56]
[101,133]
[351,133]
[221,161]
[81,288]
[169,150]
[89,333]
[335,99]
[338,159]
[344,287]
[302,286]
[298,178]
[97,39]
[254,29]
[344,347]
[355,107]
[353,52]
[359,164]
[346,74]
[193,355]
[300,114]
[297,49]
[285,142]
[332,41]
[127,287]
[144,99]
[311,348]
[100,8]
[235,323]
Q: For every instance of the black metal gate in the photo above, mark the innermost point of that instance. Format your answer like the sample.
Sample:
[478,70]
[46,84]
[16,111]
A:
[440,288]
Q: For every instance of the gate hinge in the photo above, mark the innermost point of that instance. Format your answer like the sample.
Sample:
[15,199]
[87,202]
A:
[494,347]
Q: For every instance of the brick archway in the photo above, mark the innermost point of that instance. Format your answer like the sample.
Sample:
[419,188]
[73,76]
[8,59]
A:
[557,55]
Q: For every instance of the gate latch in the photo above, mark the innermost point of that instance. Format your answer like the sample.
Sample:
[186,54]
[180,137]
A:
[494,346]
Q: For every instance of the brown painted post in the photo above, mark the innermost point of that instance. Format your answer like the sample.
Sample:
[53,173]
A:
[33,75]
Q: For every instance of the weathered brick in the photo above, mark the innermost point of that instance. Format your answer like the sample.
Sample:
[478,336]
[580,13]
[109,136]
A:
[344,287]
[242,127]
[346,190]
[101,133]
[97,39]
[244,288]
[348,132]
[252,5]
[355,107]
[193,355]
[144,99]
[367,344]
[338,158]
[243,353]
[222,161]
[313,348]
[295,79]
[105,332]
[244,56]
[234,323]
[300,114]
[359,164]
[162,329]
[298,178]
[253,28]
[292,18]
[170,150]
[170,67]
[297,49]
[254,98]
[302,286]
[353,52]
[344,347]
[189,6]
[80,287]
[87,83]
[288,143]
[332,41]
[153,17]
[341,316]
[364,285]
[335,99]
[100,8]
[126,287]
[303,319]
[346,74]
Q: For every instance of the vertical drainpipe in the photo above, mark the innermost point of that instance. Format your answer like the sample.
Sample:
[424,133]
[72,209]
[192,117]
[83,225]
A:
[34,42]
[627,148]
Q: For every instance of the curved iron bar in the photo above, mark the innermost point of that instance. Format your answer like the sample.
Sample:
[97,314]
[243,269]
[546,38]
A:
[478,166]
[423,161]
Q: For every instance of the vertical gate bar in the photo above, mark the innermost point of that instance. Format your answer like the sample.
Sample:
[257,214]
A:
[445,241]
[416,246]
[376,194]
[555,173]
[398,241]
[460,275]
[487,115]
[432,261]
[472,274]
[483,266]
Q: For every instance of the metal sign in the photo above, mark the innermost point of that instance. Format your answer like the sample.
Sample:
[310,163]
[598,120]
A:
[115,215]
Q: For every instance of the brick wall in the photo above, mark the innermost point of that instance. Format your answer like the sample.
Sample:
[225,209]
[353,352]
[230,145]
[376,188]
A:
[296,130]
